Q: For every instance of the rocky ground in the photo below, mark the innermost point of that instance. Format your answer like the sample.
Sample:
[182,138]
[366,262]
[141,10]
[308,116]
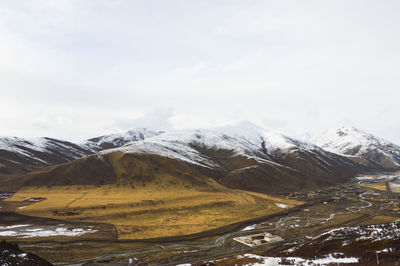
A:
[10,254]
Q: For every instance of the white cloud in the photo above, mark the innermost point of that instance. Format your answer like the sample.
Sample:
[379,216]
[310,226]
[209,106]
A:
[156,119]
[305,65]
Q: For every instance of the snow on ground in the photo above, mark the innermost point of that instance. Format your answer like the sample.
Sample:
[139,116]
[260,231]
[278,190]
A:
[370,233]
[331,258]
[352,141]
[250,227]
[27,231]
[334,258]
[394,185]
[371,178]
[381,177]
[281,205]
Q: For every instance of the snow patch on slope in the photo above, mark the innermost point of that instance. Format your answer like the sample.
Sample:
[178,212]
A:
[243,138]
[15,144]
[27,231]
[347,139]
[350,141]
[119,139]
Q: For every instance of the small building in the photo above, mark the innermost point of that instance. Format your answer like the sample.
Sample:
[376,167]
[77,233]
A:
[5,195]
[257,239]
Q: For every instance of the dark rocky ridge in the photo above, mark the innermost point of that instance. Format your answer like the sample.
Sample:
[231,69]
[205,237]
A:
[10,254]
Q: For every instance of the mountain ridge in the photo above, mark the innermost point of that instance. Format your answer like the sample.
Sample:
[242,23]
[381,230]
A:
[20,156]
[215,148]
[361,147]
[240,156]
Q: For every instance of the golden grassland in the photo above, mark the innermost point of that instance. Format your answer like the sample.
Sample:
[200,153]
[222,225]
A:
[380,219]
[378,186]
[376,175]
[156,210]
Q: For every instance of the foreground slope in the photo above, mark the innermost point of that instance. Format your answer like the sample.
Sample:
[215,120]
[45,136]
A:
[361,147]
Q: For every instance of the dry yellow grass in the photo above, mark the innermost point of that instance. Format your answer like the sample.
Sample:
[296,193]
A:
[378,186]
[380,219]
[157,210]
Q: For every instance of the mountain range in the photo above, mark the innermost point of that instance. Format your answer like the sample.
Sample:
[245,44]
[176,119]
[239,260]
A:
[242,156]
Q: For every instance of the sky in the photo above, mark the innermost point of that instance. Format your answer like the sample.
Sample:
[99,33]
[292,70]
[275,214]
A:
[76,69]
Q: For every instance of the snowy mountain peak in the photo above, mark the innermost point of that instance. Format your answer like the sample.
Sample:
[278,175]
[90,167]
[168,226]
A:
[348,130]
[345,138]
[119,139]
[355,142]
[243,138]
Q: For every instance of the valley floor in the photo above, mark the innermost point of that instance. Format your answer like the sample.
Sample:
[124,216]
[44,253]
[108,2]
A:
[148,213]
[313,230]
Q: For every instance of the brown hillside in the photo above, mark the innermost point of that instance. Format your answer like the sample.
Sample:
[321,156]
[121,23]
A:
[292,172]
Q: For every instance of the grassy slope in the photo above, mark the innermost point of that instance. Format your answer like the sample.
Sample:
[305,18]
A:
[150,212]
[378,186]
[145,196]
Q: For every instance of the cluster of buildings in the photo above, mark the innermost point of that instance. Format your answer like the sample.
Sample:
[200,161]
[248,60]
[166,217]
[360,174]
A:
[389,206]
[339,196]
[5,195]
[257,239]
[305,195]
[389,200]
[337,193]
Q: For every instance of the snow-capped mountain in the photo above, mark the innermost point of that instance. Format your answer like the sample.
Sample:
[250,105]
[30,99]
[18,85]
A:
[246,156]
[241,155]
[117,140]
[361,147]
[242,139]
[19,156]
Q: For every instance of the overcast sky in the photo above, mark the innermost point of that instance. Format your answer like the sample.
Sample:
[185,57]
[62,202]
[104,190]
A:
[77,69]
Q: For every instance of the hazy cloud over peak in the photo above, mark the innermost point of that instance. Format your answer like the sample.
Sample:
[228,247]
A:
[156,119]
